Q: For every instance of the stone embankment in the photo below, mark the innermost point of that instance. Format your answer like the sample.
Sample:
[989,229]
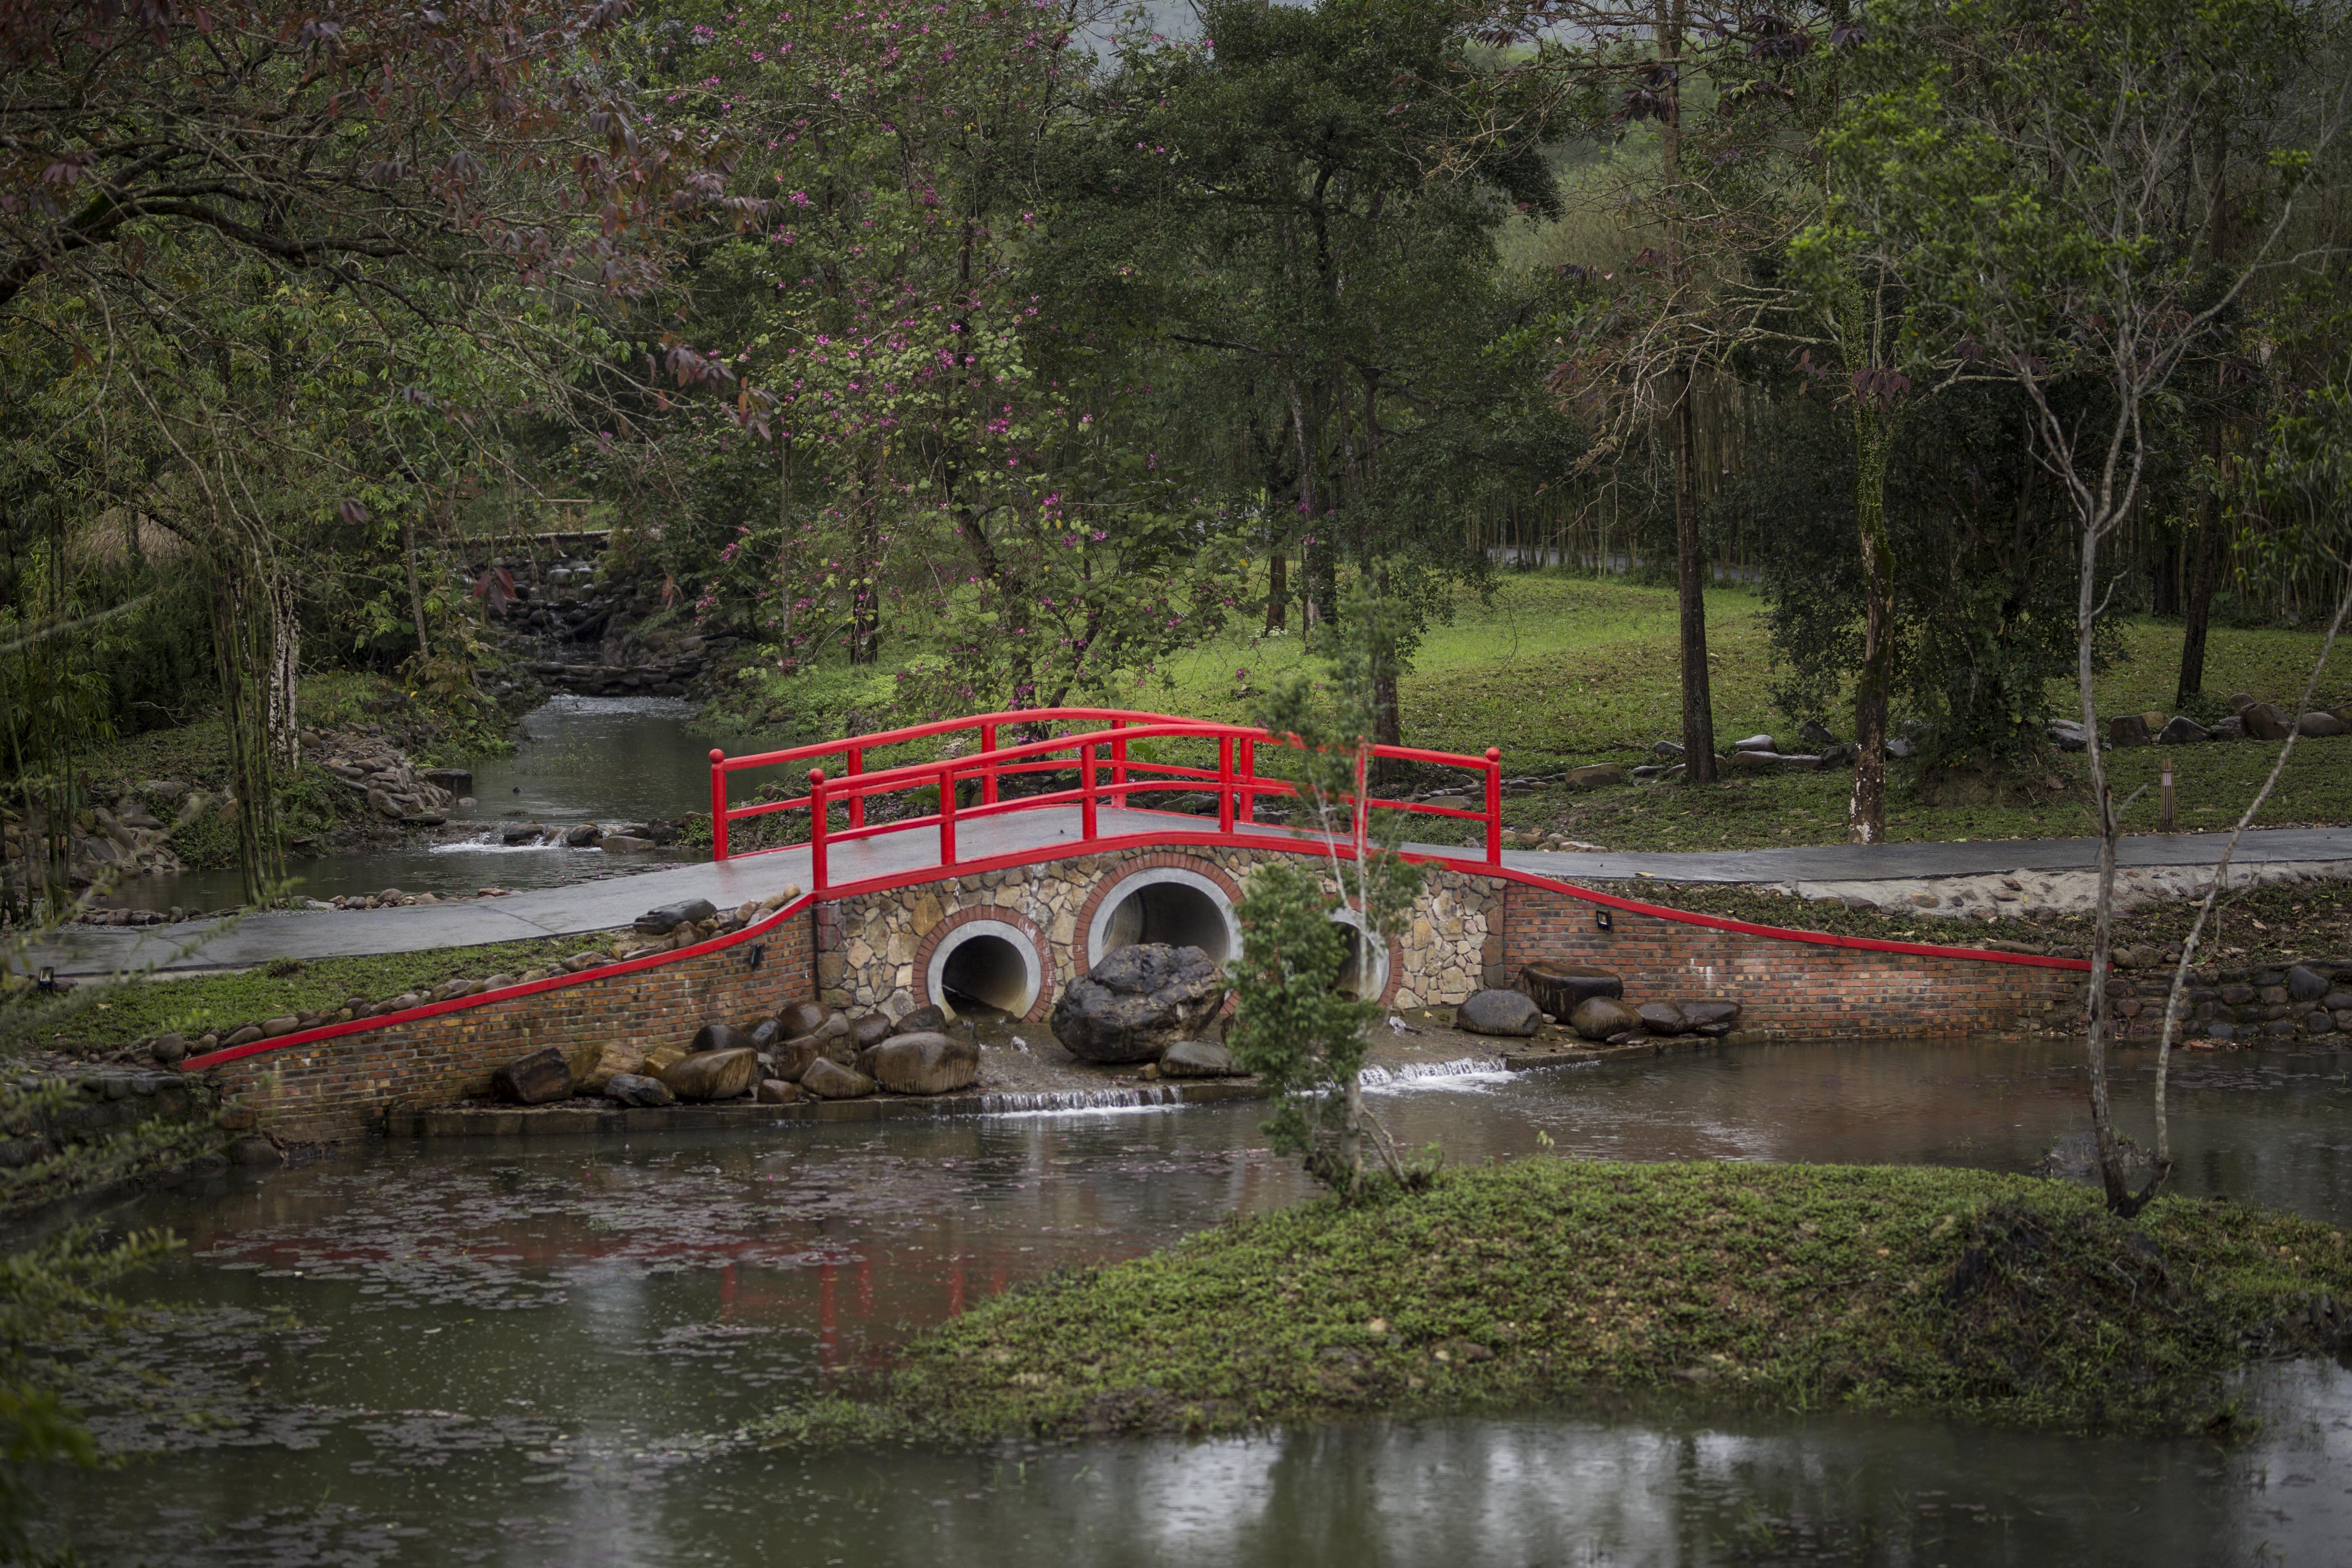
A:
[583,631]
[2307,1004]
[2025,893]
[384,780]
[129,837]
[70,1129]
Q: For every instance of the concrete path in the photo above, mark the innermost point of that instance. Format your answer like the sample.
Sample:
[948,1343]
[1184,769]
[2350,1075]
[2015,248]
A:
[601,906]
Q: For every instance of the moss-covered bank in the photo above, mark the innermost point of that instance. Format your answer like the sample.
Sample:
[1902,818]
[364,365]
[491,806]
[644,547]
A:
[2001,1298]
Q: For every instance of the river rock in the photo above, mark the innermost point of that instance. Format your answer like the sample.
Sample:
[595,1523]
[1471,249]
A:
[1138,1002]
[2067,734]
[1663,1018]
[1754,744]
[1196,1059]
[2264,723]
[662,1056]
[792,1056]
[2317,723]
[776,1092]
[2304,984]
[539,1078]
[168,1049]
[1496,1012]
[1597,1017]
[1560,988]
[584,836]
[921,1020]
[612,1062]
[713,1075]
[635,1088]
[922,1063]
[2127,730]
[1706,1014]
[622,843]
[669,917]
[766,1033]
[830,1080]
[521,833]
[802,1018]
[721,1037]
[871,1031]
[1596,775]
[2182,731]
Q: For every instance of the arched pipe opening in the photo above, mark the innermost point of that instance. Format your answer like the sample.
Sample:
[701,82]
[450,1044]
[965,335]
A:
[1181,909]
[986,965]
[1366,973]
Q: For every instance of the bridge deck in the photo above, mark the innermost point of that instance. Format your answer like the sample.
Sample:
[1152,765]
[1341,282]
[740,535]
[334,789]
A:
[614,901]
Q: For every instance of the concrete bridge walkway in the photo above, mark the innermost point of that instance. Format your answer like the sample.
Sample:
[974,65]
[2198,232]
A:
[615,901]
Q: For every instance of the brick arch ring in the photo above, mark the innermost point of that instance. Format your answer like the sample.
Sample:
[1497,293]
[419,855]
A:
[1006,925]
[1202,875]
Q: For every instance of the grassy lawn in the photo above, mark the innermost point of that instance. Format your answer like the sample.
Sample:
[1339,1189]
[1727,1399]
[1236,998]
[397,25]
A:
[1560,670]
[1799,1288]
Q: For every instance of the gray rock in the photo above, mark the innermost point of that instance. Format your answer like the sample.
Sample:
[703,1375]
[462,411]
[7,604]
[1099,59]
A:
[256,1150]
[1817,735]
[2315,724]
[1902,749]
[1498,1013]
[1559,988]
[2066,735]
[873,1029]
[722,1037]
[921,1020]
[456,781]
[802,1018]
[776,1092]
[2127,730]
[1755,743]
[1196,1059]
[1663,1018]
[2182,731]
[635,1088]
[830,1080]
[1668,751]
[1596,775]
[766,1033]
[1138,1002]
[583,836]
[922,1063]
[664,920]
[2075,1158]
[168,1049]
[792,1056]
[835,1028]
[2305,984]
[622,843]
[713,1075]
[1845,755]
[1706,1014]
[2233,728]
[538,1079]
[1599,1017]
[521,833]
[2264,723]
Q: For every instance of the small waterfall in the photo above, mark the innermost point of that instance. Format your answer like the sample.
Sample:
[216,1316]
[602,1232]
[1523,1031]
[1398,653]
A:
[1461,1072]
[1152,1096]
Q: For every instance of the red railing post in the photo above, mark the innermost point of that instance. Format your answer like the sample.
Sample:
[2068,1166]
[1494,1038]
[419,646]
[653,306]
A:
[987,779]
[1494,806]
[1225,784]
[1086,804]
[817,825]
[1117,763]
[857,801]
[1249,779]
[717,803]
[947,815]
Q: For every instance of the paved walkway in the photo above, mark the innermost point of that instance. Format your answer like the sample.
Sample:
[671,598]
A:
[601,906]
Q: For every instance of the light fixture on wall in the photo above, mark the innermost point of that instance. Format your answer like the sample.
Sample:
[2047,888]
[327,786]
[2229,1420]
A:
[1601,918]
[755,954]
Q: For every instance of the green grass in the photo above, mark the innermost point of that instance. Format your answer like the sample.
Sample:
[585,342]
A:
[1993,1296]
[123,1013]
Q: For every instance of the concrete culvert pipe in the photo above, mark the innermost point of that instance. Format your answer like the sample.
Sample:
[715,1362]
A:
[1181,909]
[1358,977]
[988,963]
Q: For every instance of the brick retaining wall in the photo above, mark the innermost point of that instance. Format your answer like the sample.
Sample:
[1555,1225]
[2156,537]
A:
[1791,989]
[338,1083]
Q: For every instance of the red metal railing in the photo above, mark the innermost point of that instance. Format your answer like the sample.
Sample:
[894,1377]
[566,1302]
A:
[1235,779]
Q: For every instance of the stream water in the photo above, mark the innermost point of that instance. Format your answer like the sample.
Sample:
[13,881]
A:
[586,759]
[464,1352]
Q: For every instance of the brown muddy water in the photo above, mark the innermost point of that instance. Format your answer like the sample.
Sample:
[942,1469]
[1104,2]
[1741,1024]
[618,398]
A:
[470,1353]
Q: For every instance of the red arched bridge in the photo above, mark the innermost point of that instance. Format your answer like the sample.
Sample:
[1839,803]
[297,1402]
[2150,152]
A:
[1112,760]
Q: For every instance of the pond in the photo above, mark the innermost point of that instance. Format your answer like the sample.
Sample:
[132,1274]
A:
[585,759]
[533,1354]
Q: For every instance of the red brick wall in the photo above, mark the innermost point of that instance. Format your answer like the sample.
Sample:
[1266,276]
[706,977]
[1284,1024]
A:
[1787,989]
[327,1085]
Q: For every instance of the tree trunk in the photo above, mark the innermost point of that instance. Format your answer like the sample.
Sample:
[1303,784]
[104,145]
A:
[1866,811]
[243,639]
[285,680]
[1277,590]
[1690,574]
[415,590]
[2197,600]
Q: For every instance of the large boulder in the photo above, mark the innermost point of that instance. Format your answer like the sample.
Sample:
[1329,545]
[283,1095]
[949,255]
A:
[2318,723]
[714,1075]
[792,1056]
[830,1080]
[871,1030]
[1663,1018]
[664,920]
[2266,722]
[921,1020]
[1817,735]
[612,1062]
[922,1064]
[1596,775]
[1498,1013]
[2128,729]
[776,1092]
[2182,731]
[1597,1017]
[1754,744]
[1560,988]
[766,1033]
[1197,1058]
[538,1079]
[721,1037]
[1138,1002]
[802,1018]
[635,1088]
[1709,1013]
[2304,984]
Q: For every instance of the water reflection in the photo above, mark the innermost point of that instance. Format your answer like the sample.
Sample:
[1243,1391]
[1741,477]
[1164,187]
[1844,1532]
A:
[534,1354]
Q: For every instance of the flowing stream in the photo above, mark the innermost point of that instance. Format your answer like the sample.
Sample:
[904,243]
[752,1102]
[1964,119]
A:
[478,1352]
